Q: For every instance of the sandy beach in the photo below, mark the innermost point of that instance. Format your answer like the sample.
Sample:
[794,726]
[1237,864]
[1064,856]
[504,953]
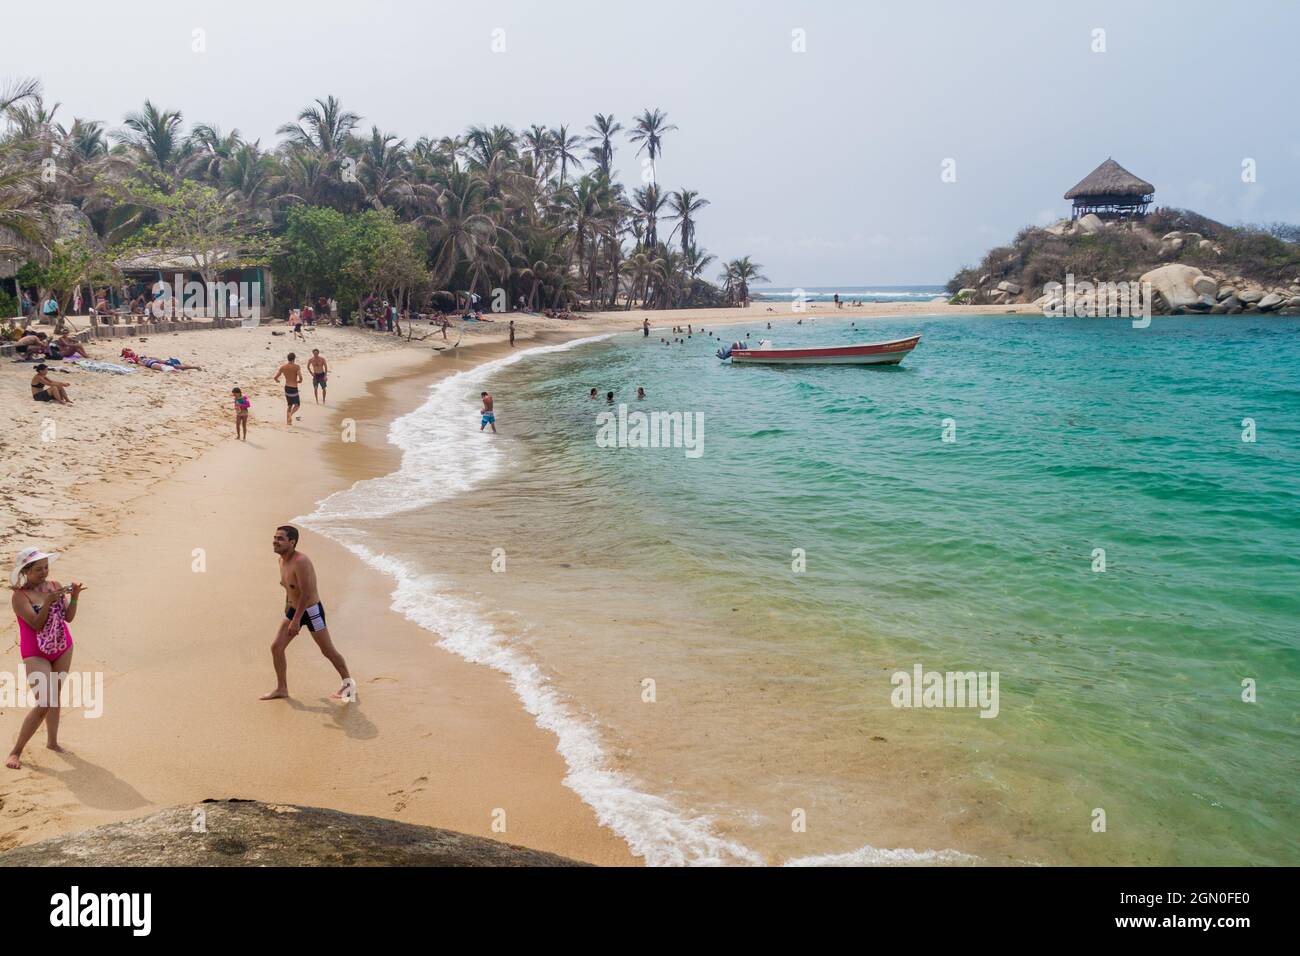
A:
[168,521]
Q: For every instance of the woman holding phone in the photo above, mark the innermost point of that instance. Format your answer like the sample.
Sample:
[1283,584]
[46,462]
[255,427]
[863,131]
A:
[44,640]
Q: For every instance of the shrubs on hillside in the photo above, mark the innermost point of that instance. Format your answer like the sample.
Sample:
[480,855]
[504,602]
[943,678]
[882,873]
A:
[1122,252]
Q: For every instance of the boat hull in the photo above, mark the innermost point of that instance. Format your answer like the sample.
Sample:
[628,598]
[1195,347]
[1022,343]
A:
[875,353]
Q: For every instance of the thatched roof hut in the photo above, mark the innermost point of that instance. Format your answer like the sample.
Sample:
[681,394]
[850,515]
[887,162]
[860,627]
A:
[1111,192]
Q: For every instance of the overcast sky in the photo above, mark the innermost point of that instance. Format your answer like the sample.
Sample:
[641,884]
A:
[823,165]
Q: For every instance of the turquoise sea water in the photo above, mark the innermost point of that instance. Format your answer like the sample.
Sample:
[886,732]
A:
[717,701]
[1121,689]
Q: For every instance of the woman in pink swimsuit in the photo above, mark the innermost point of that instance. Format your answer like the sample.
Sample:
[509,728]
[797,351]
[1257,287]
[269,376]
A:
[44,641]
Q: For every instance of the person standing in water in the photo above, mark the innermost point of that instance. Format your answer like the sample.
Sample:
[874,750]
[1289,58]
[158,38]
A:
[302,608]
[320,371]
[488,417]
[44,641]
[512,333]
[292,373]
[645,328]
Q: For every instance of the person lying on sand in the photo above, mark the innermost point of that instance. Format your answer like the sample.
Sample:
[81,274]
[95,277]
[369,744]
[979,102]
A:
[44,641]
[168,365]
[46,389]
[303,608]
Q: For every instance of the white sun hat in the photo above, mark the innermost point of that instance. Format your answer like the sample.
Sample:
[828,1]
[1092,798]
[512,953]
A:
[29,556]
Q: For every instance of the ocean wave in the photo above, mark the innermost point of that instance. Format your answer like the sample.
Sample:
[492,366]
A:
[441,456]
[652,826]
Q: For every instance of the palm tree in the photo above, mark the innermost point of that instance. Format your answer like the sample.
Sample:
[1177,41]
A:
[210,151]
[251,175]
[649,202]
[695,261]
[737,275]
[601,140]
[537,143]
[384,170]
[649,131]
[322,129]
[564,145]
[484,144]
[153,137]
[685,203]
[17,91]
[460,229]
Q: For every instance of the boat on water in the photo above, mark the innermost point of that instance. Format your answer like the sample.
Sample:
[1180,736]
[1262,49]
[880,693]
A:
[870,353]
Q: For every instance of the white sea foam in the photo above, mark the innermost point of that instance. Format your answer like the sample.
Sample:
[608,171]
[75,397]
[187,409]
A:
[442,456]
[873,856]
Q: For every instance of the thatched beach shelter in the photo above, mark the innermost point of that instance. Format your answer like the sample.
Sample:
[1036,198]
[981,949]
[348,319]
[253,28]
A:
[1111,192]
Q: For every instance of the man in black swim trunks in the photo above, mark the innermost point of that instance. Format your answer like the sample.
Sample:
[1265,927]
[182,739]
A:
[320,371]
[292,373]
[303,608]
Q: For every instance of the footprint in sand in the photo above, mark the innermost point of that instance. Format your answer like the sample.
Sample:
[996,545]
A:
[404,797]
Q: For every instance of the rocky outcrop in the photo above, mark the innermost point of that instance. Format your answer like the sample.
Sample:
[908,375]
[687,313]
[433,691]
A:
[1174,284]
[250,833]
[1208,262]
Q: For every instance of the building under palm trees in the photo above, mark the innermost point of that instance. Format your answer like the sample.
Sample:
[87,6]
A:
[1111,192]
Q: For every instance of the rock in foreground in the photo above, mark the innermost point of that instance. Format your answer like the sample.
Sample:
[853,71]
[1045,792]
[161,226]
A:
[250,833]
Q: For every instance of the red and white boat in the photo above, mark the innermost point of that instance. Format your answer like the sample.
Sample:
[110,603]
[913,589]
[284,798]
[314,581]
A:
[873,353]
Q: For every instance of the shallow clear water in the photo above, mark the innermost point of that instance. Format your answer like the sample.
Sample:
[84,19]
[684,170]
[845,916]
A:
[1120,690]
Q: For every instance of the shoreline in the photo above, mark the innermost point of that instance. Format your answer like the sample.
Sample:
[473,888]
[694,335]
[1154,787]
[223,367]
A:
[164,644]
[466,756]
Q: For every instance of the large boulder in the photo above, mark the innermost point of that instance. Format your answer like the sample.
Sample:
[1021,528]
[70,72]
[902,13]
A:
[1010,288]
[1270,302]
[1250,296]
[250,833]
[1089,224]
[1227,306]
[1174,285]
[1206,285]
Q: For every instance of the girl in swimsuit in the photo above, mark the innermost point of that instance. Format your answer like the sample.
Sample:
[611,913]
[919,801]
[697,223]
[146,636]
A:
[44,641]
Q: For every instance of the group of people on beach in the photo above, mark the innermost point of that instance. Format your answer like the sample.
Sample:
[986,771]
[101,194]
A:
[292,375]
[44,608]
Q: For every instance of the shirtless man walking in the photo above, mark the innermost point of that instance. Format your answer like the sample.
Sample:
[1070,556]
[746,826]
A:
[303,608]
[320,370]
[292,373]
